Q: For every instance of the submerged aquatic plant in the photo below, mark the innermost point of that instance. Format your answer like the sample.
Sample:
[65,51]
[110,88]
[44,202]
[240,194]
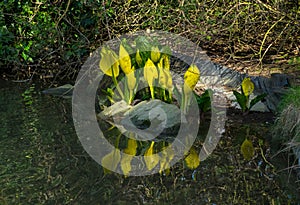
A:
[243,98]
[247,149]
[192,159]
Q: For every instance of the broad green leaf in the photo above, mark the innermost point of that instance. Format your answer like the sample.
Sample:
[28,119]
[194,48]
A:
[257,99]
[247,86]
[241,99]
[192,76]
[166,50]
[155,54]
[247,149]
[192,160]
[125,62]
[144,47]
[109,63]
[151,159]
[203,101]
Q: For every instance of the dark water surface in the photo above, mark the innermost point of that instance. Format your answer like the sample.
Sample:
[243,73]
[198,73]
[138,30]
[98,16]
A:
[43,162]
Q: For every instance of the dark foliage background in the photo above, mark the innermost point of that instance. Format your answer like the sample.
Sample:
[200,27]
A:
[51,39]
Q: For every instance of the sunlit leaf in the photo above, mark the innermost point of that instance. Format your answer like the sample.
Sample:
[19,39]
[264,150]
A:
[247,149]
[151,159]
[125,62]
[192,76]
[111,160]
[247,86]
[192,160]
[155,54]
[109,64]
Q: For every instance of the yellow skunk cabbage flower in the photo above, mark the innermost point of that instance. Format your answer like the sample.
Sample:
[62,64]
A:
[131,79]
[192,76]
[138,58]
[151,159]
[111,160]
[125,164]
[192,160]
[247,86]
[150,74]
[155,54]
[130,83]
[126,159]
[131,147]
[247,149]
[162,76]
[125,62]
[166,158]
[109,63]
[169,80]
[166,61]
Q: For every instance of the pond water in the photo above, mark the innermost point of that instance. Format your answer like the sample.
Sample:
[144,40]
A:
[43,162]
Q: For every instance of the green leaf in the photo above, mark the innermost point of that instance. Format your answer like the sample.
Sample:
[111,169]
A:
[241,99]
[257,99]
[203,101]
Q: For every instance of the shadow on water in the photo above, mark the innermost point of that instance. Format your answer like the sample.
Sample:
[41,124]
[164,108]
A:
[43,162]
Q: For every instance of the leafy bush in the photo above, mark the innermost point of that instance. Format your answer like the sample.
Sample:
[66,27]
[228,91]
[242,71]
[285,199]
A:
[56,36]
